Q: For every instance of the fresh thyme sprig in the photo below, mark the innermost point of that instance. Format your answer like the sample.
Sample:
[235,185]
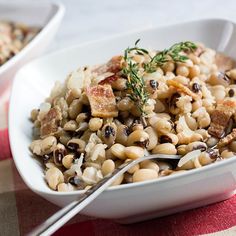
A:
[135,81]
[171,54]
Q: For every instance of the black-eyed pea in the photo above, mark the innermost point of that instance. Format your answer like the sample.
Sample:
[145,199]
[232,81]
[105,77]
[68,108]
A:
[231,92]
[108,167]
[181,149]
[136,126]
[138,137]
[196,146]
[227,154]
[218,91]
[63,187]
[132,169]
[95,124]
[48,144]
[118,180]
[208,157]
[83,126]
[165,148]
[194,71]
[219,78]
[58,153]
[76,144]
[152,120]
[54,177]
[144,175]
[148,164]
[71,125]
[109,132]
[212,141]
[118,150]
[191,122]
[82,117]
[67,161]
[182,70]
[75,108]
[232,146]
[125,104]
[187,166]
[134,152]
[232,74]
[119,84]
[195,137]
[203,133]
[163,126]
[169,138]
[168,66]
[195,59]
[153,138]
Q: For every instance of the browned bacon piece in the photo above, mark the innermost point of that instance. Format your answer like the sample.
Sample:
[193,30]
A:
[228,139]
[114,66]
[102,101]
[49,124]
[220,118]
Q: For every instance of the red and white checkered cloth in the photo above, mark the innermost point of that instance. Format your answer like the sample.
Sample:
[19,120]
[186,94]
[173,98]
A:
[21,209]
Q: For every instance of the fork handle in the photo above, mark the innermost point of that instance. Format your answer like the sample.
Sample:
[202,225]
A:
[58,219]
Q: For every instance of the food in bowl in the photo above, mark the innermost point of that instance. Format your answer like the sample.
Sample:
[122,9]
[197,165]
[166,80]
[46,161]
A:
[13,37]
[177,101]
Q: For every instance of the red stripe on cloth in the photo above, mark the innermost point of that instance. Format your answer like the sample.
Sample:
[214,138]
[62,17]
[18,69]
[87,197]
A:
[5,151]
[213,218]
[84,229]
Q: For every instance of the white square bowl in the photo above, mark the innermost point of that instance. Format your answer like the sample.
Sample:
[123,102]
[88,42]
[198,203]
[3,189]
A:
[46,16]
[131,202]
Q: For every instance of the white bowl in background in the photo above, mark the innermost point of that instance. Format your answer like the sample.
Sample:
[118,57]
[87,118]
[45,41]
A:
[131,202]
[46,16]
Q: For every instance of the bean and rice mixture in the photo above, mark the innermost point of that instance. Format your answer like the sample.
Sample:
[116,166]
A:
[174,101]
[14,37]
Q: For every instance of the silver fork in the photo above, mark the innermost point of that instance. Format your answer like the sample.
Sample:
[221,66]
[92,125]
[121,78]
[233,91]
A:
[63,215]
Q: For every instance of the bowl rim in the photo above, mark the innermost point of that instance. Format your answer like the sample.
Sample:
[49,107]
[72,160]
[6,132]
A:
[169,178]
[53,17]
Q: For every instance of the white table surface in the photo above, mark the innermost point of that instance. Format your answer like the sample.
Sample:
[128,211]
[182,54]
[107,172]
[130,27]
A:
[87,20]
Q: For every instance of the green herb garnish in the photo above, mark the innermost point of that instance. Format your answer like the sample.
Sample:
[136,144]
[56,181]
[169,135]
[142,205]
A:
[171,54]
[135,81]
